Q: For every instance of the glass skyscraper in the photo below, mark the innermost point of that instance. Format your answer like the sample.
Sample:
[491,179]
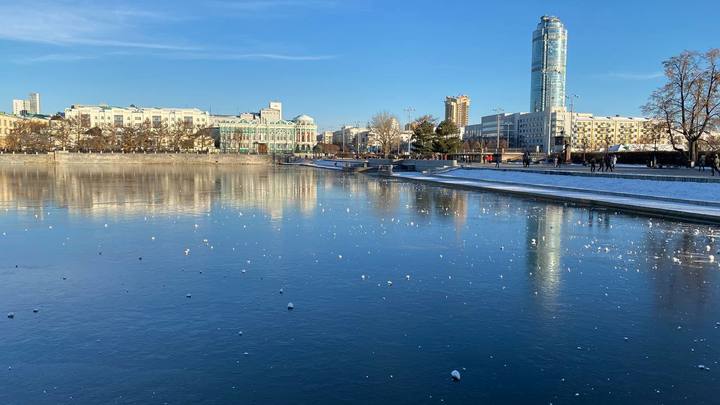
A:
[549,62]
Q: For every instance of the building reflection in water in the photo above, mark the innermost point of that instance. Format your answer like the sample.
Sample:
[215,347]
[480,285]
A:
[156,190]
[544,242]
[117,191]
[680,269]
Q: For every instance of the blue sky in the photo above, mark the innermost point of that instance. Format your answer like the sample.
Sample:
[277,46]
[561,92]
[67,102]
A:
[337,60]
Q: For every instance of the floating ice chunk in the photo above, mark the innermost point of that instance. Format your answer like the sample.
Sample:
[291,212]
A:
[455,375]
[711,258]
[291,306]
[389,283]
[187,252]
[703,367]
[533,242]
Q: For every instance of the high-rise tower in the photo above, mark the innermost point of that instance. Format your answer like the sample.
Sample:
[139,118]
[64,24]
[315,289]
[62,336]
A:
[457,110]
[549,62]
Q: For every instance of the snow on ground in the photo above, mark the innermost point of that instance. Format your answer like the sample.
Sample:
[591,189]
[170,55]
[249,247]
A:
[672,189]
[327,164]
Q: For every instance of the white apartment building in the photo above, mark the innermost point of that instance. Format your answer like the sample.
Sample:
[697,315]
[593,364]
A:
[326,137]
[548,131]
[30,106]
[104,115]
[540,131]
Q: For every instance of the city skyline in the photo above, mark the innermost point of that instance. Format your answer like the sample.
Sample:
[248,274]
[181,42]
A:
[148,56]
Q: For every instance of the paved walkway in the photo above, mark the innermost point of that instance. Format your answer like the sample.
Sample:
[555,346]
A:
[621,171]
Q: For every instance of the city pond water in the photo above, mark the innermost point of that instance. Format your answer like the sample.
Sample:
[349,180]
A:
[171,284]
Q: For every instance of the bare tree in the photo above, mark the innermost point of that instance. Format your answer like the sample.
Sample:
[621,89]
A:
[384,126]
[688,105]
[204,139]
[29,135]
[61,132]
[178,135]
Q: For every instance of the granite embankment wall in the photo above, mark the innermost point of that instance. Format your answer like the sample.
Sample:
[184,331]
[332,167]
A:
[134,158]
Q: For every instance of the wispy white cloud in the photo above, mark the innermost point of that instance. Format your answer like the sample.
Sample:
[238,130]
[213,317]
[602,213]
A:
[253,56]
[64,23]
[90,30]
[633,76]
[52,57]
[262,5]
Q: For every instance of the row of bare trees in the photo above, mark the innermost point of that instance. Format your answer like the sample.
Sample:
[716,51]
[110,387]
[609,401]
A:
[69,134]
[687,106]
[427,138]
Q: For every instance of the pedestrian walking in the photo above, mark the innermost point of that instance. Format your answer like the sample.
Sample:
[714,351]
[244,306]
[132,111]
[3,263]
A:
[716,165]
[614,161]
[701,164]
[497,160]
[592,165]
[608,165]
[601,164]
[555,162]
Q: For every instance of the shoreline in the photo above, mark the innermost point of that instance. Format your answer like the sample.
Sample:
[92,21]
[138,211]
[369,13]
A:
[685,212]
[668,208]
[68,158]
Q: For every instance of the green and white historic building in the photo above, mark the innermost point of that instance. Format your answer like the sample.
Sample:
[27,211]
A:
[266,132]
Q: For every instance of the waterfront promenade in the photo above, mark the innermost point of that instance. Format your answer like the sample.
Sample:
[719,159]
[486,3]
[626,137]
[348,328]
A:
[684,194]
[628,171]
[678,193]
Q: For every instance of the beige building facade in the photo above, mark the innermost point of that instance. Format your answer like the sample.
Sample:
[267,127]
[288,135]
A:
[7,123]
[594,133]
[104,115]
[457,110]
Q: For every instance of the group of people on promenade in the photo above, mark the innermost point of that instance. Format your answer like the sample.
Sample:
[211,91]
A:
[714,161]
[606,163]
[526,159]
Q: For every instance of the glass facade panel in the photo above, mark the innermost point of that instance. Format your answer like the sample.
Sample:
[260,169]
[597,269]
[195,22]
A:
[548,68]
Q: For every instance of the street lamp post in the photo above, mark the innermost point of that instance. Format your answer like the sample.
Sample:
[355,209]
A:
[572,98]
[409,111]
[343,137]
[499,112]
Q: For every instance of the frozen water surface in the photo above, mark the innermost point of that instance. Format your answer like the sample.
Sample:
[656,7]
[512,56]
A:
[529,301]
